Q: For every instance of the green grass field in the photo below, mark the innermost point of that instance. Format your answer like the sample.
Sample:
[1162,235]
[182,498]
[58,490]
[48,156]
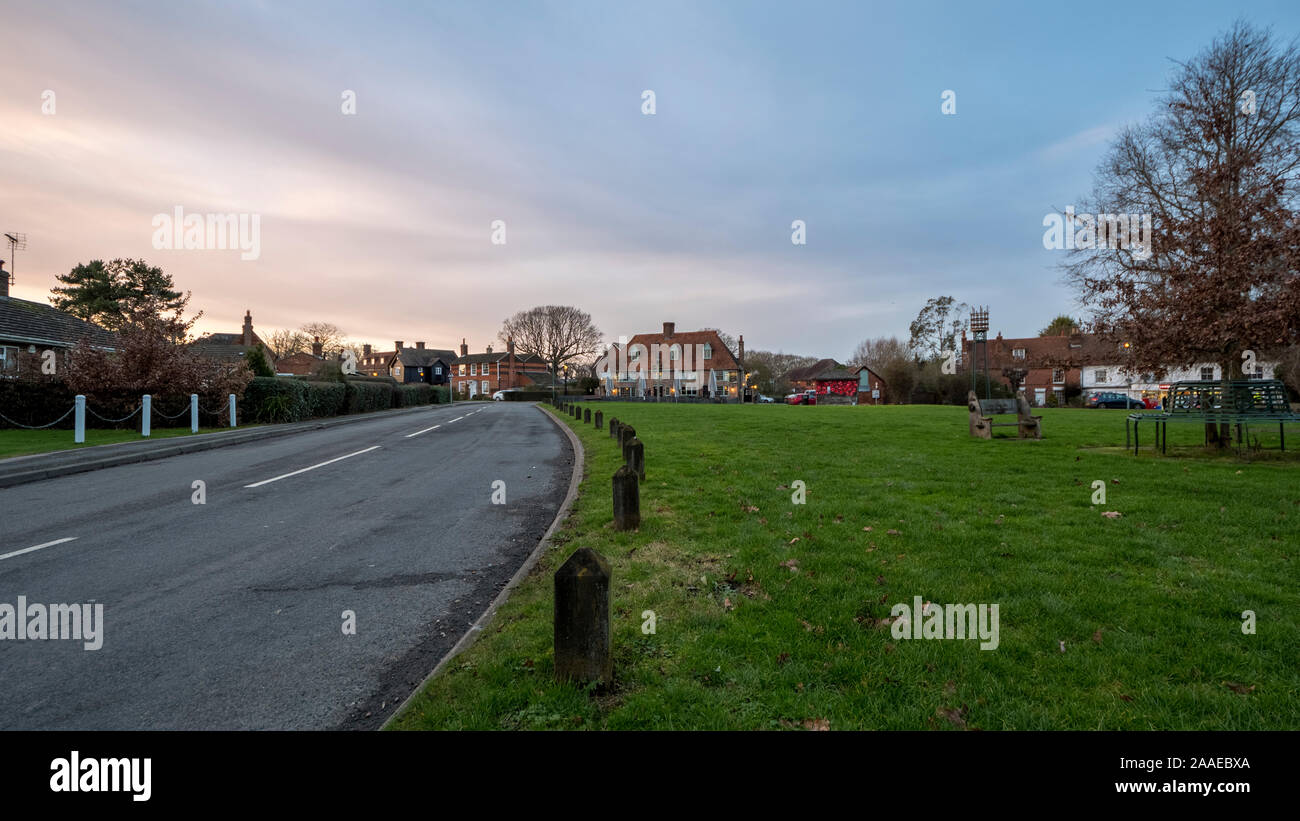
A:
[27,442]
[769,614]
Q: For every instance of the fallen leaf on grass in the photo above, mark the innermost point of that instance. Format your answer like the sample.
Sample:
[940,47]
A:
[795,539]
[1239,689]
[1062,646]
[1112,514]
[726,604]
[816,724]
[750,509]
[868,529]
[893,532]
[956,717]
[1096,637]
[949,687]
[783,658]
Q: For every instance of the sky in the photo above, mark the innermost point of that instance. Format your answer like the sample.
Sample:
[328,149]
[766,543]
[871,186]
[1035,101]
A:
[381,221]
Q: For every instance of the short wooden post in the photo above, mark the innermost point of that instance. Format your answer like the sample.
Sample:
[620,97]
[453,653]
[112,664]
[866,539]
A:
[586,416]
[627,500]
[582,628]
[626,433]
[613,427]
[600,418]
[635,451]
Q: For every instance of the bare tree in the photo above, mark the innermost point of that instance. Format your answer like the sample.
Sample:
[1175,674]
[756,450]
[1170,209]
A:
[894,360]
[332,338]
[1216,168]
[286,343]
[558,334]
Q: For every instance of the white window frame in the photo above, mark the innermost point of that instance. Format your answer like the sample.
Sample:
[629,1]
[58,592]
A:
[486,389]
[1061,380]
[1018,353]
[1205,368]
[1099,376]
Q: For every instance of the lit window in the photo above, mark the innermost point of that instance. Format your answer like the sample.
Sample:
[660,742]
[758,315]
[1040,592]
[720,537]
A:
[462,373]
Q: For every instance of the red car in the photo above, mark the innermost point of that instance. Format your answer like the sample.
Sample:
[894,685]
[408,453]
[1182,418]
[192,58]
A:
[805,398]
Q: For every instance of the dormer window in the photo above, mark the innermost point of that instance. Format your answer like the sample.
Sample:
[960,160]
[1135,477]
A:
[1018,353]
[708,351]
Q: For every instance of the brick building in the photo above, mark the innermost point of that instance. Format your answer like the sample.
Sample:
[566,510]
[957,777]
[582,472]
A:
[407,365]
[301,363]
[1050,364]
[691,364]
[476,374]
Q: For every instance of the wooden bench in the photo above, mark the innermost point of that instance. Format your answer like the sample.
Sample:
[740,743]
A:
[1202,403]
[982,412]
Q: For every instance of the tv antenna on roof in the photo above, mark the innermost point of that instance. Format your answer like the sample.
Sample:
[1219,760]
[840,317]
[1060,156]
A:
[17,242]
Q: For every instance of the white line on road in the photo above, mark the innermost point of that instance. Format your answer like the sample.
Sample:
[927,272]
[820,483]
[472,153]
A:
[457,419]
[38,547]
[313,467]
[426,430]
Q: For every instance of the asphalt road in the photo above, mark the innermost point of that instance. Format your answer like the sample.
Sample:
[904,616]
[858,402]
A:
[229,614]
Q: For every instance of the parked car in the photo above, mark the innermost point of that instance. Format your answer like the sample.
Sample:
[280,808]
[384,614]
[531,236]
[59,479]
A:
[765,400]
[808,397]
[1106,399]
[500,396]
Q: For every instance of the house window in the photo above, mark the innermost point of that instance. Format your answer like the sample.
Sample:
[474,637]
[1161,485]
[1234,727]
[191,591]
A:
[437,370]
[485,386]
[8,359]
[1099,377]
[708,351]
[462,373]
[473,370]
[1058,376]
[1207,373]
[1018,353]
[397,371]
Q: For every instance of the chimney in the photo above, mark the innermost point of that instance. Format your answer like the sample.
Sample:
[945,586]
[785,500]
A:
[464,349]
[365,350]
[489,349]
[248,327]
[398,345]
[317,350]
[669,327]
[740,354]
[510,361]
[419,346]
[4,281]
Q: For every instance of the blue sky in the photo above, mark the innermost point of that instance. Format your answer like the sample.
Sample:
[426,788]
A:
[531,113]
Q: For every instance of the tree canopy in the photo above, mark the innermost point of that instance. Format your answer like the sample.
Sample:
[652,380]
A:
[108,294]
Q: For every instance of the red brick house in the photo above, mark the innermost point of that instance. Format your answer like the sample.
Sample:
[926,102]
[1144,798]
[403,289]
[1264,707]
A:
[301,363]
[1051,364]
[491,371]
[872,389]
[690,364]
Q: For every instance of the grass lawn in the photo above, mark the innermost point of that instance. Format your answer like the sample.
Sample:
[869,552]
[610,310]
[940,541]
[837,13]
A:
[26,442]
[769,614]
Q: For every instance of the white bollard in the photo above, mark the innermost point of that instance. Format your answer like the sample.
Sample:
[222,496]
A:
[232,410]
[79,435]
[194,413]
[146,411]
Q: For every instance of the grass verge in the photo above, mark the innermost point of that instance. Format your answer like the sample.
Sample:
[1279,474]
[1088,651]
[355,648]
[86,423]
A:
[770,614]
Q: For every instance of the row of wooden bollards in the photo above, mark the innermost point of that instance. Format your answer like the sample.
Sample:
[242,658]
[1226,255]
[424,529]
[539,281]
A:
[627,479]
[583,634]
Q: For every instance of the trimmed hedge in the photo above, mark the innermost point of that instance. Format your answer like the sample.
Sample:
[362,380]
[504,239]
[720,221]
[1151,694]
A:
[37,402]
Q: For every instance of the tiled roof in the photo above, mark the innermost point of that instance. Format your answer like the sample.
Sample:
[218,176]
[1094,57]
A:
[808,372]
[496,356]
[1072,351]
[425,357]
[722,358]
[835,374]
[38,323]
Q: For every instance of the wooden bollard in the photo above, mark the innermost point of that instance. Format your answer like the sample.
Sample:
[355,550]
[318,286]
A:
[582,632]
[613,427]
[626,433]
[600,418]
[635,454]
[586,416]
[627,500]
